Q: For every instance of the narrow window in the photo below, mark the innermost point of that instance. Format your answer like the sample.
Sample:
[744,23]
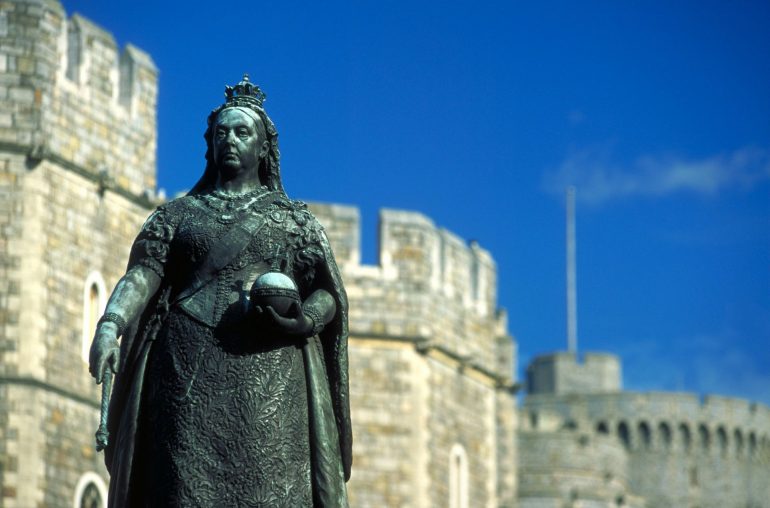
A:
[664,431]
[705,438]
[645,436]
[722,440]
[624,435]
[73,53]
[94,300]
[738,440]
[91,492]
[684,434]
[601,428]
[458,477]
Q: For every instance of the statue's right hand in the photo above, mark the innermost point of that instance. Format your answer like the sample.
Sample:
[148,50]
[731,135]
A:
[105,350]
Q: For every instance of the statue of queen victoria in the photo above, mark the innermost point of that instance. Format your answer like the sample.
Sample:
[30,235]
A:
[231,384]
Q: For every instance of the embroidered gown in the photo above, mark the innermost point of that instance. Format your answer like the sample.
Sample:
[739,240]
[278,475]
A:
[225,409]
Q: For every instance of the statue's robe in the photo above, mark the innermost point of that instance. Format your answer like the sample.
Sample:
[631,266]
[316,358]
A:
[207,409]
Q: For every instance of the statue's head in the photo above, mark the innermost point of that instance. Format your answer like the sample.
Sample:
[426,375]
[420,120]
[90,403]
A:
[242,107]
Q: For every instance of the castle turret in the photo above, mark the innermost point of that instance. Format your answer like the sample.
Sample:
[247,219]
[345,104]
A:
[77,179]
[564,372]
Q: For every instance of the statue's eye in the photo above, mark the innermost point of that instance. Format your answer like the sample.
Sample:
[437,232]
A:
[243,133]
[220,134]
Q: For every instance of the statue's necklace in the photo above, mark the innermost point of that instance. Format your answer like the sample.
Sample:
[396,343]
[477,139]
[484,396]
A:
[228,206]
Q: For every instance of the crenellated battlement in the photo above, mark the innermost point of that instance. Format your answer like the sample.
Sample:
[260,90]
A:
[125,80]
[429,287]
[660,422]
[712,412]
[682,450]
[69,95]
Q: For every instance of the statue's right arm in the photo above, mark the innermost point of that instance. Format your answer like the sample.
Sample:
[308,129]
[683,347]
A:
[129,299]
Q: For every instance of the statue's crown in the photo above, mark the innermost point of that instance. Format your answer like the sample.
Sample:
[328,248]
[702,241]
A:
[244,93]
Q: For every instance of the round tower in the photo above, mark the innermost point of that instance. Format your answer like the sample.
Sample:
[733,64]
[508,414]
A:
[77,179]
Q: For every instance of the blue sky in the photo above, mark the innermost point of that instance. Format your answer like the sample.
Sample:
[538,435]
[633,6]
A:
[477,114]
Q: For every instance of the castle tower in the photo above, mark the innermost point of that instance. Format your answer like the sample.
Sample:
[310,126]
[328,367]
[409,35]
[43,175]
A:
[583,440]
[77,172]
[431,367]
[565,372]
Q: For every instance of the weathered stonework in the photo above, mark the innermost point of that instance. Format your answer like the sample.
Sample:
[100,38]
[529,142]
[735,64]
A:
[77,165]
[430,361]
[652,449]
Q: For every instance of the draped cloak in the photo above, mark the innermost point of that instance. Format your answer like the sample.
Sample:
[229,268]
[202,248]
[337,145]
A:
[170,244]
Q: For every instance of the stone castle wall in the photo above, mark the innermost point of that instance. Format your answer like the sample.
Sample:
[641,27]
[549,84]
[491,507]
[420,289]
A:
[681,450]
[66,94]
[429,286]
[431,364]
[77,155]
[572,468]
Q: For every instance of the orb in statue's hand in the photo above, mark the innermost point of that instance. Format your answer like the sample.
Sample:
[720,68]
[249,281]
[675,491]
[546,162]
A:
[274,289]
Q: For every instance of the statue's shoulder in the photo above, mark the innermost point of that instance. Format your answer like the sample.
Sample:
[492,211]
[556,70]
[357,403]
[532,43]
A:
[169,214]
[302,214]
[177,206]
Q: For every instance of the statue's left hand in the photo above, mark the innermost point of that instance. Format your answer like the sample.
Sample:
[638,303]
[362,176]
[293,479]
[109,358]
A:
[295,324]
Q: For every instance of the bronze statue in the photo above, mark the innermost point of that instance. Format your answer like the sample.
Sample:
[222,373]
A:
[231,384]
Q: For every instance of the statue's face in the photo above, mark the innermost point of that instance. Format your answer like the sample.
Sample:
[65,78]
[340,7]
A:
[236,144]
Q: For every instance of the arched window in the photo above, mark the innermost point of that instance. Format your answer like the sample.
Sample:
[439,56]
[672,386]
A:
[752,445]
[664,431]
[90,492]
[705,437]
[738,440]
[624,435]
[722,440]
[645,436]
[533,420]
[601,428]
[94,300]
[458,477]
[685,437]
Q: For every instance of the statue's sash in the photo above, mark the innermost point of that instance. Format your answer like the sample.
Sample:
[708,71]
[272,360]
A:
[223,251]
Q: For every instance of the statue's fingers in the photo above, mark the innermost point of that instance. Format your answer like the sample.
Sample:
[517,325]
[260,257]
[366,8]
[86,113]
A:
[281,321]
[273,314]
[100,368]
[258,310]
[115,361]
[295,310]
[93,363]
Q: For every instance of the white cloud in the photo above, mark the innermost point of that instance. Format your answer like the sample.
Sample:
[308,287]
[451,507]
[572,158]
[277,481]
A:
[598,179]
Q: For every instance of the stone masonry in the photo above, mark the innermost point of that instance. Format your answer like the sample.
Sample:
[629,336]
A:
[77,169]
[605,447]
[431,364]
